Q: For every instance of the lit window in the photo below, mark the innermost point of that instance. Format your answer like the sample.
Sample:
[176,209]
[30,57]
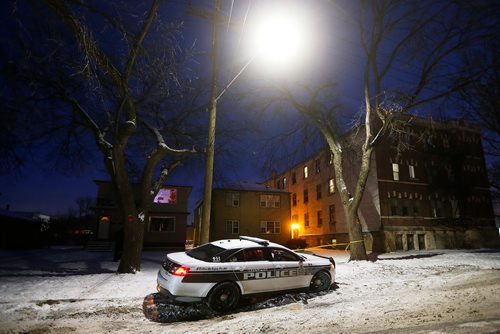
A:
[331,186]
[161,224]
[284,183]
[411,170]
[166,196]
[395,171]
[270,227]
[306,172]
[232,227]
[269,201]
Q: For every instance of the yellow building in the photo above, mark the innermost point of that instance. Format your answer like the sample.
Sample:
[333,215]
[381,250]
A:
[248,209]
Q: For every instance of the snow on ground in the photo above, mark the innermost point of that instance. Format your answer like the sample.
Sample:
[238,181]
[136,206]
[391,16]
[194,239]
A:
[64,290]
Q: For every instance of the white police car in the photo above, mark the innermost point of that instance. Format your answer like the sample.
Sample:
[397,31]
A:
[222,271]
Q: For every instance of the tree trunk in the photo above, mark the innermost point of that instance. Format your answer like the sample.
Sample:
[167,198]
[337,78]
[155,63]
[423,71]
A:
[357,246]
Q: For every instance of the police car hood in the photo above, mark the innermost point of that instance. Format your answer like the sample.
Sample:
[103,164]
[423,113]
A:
[313,258]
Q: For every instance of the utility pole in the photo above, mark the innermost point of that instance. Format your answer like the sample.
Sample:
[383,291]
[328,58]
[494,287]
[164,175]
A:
[209,166]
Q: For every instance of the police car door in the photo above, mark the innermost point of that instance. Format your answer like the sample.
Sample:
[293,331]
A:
[290,270]
[254,270]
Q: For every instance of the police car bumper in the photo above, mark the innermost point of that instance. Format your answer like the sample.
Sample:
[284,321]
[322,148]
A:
[175,290]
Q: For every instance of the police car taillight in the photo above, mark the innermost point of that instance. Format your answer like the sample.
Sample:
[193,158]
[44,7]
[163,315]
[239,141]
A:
[180,271]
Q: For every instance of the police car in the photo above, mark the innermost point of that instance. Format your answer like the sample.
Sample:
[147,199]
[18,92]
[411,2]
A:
[220,272]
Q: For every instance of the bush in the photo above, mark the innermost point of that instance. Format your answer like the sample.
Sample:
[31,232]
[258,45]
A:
[296,244]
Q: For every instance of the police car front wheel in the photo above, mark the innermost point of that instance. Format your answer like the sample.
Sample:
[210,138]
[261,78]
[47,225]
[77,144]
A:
[224,297]
[320,282]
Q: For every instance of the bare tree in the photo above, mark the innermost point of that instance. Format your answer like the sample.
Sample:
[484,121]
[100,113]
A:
[419,41]
[111,76]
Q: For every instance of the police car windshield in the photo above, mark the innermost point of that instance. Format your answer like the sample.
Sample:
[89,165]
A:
[206,252]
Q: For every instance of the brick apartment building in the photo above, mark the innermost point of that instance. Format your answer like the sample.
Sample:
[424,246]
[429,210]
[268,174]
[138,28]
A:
[165,224]
[433,195]
[247,209]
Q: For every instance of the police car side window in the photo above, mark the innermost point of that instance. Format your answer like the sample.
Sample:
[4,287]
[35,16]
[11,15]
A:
[283,255]
[254,254]
[236,257]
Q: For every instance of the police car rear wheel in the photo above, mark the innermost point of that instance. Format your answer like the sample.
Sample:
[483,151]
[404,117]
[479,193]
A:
[320,282]
[224,297]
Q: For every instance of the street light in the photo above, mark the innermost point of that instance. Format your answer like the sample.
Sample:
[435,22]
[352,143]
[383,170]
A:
[276,34]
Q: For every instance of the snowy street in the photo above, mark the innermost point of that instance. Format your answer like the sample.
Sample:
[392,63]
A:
[62,290]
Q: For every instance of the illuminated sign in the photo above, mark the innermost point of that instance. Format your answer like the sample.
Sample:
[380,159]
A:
[166,196]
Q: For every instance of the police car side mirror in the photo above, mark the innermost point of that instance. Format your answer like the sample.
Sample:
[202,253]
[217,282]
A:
[302,259]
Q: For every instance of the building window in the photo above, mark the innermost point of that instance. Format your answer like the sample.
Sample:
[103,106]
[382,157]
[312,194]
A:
[405,207]
[306,196]
[295,218]
[395,171]
[232,227]
[166,196]
[270,227]
[437,208]
[306,172]
[395,209]
[399,242]
[294,199]
[317,166]
[331,186]
[284,183]
[421,241]
[269,201]
[294,178]
[318,191]
[320,218]
[411,170]
[330,159]
[233,199]
[161,224]
[416,207]
[332,214]
[306,220]
[409,242]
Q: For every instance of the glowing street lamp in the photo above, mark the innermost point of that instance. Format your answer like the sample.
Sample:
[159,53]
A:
[277,37]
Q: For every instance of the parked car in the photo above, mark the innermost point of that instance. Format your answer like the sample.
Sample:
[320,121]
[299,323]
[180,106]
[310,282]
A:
[223,271]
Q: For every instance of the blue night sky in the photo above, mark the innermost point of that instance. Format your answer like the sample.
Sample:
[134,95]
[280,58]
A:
[335,52]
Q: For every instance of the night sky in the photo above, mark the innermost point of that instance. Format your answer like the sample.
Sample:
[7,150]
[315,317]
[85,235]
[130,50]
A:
[334,52]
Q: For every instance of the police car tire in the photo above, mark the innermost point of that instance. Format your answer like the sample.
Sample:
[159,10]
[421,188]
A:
[320,282]
[224,297]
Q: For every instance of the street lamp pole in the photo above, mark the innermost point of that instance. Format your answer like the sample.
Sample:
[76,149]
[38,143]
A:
[209,165]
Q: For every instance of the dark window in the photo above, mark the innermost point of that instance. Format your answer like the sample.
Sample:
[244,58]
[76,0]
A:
[161,224]
[206,252]
[399,242]
[332,214]
[294,199]
[306,196]
[318,191]
[409,240]
[294,178]
[306,219]
[317,166]
[255,254]
[320,218]
[421,241]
